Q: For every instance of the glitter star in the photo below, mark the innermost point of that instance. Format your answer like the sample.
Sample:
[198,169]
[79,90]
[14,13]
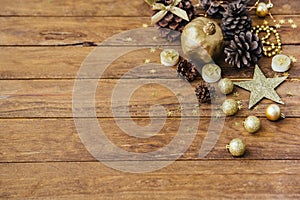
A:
[240,105]
[294,26]
[286,74]
[293,59]
[282,21]
[129,39]
[195,112]
[145,25]
[265,22]
[277,25]
[261,87]
[291,21]
[289,94]
[236,94]
[152,50]
[154,38]
[169,113]
[147,61]
[152,71]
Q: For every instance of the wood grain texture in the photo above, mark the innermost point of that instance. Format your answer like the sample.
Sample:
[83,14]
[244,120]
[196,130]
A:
[53,98]
[64,63]
[104,8]
[77,30]
[181,180]
[49,140]
[42,45]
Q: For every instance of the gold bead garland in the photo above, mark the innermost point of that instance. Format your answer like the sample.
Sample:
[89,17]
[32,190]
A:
[269,49]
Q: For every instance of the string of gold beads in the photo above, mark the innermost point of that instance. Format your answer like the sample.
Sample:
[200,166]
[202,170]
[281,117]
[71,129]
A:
[269,48]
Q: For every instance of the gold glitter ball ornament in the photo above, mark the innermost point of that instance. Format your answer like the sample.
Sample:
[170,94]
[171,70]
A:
[252,124]
[230,107]
[225,85]
[236,147]
[273,112]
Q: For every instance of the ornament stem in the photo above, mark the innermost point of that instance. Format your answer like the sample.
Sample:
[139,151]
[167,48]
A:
[254,6]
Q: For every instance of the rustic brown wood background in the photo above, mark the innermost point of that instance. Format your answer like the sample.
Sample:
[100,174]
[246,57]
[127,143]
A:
[42,45]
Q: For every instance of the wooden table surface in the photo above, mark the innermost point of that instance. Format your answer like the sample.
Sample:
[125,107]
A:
[43,44]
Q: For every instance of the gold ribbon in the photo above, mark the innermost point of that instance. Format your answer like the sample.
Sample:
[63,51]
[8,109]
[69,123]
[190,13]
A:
[163,10]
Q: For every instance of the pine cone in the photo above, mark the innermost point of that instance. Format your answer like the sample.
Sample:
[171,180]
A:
[204,92]
[213,8]
[244,50]
[187,70]
[236,20]
[171,25]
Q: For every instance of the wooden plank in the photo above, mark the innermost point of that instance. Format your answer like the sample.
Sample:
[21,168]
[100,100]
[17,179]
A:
[74,30]
[53,98]
[184,180]
[74,8]
[64,63]
[104,8]
[49,140]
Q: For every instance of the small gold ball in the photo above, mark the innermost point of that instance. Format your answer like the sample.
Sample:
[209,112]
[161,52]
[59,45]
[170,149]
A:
[236,147]
[230,107]
[252,124]
[273,112]
[262,10]
[225,85]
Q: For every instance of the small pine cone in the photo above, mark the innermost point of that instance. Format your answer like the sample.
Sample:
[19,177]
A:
[205,93]
[172,21]
[187,70]
[236,20]
[213,8]
[244,50]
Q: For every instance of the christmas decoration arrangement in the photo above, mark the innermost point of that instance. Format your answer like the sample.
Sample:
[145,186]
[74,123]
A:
[203,40]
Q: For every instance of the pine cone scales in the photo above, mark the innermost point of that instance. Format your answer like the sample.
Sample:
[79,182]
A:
[244,50]
[171,23]
[213,8]
[204,92]
[187,70]
[236,20]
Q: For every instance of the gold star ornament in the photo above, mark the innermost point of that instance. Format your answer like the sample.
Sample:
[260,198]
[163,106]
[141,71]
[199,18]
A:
[261,87]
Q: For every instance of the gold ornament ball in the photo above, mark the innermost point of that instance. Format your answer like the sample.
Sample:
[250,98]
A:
[236,147]
[262,9]
[230,107]
[252,124]
[225,85]
[273,112]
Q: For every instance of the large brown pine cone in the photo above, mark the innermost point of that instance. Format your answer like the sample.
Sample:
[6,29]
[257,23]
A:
[236,19]
[171,25]
[213,8]
[244,50]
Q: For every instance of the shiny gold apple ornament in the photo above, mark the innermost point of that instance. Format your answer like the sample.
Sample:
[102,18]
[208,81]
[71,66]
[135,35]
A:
[263,9]
[273,112]
[202,40]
